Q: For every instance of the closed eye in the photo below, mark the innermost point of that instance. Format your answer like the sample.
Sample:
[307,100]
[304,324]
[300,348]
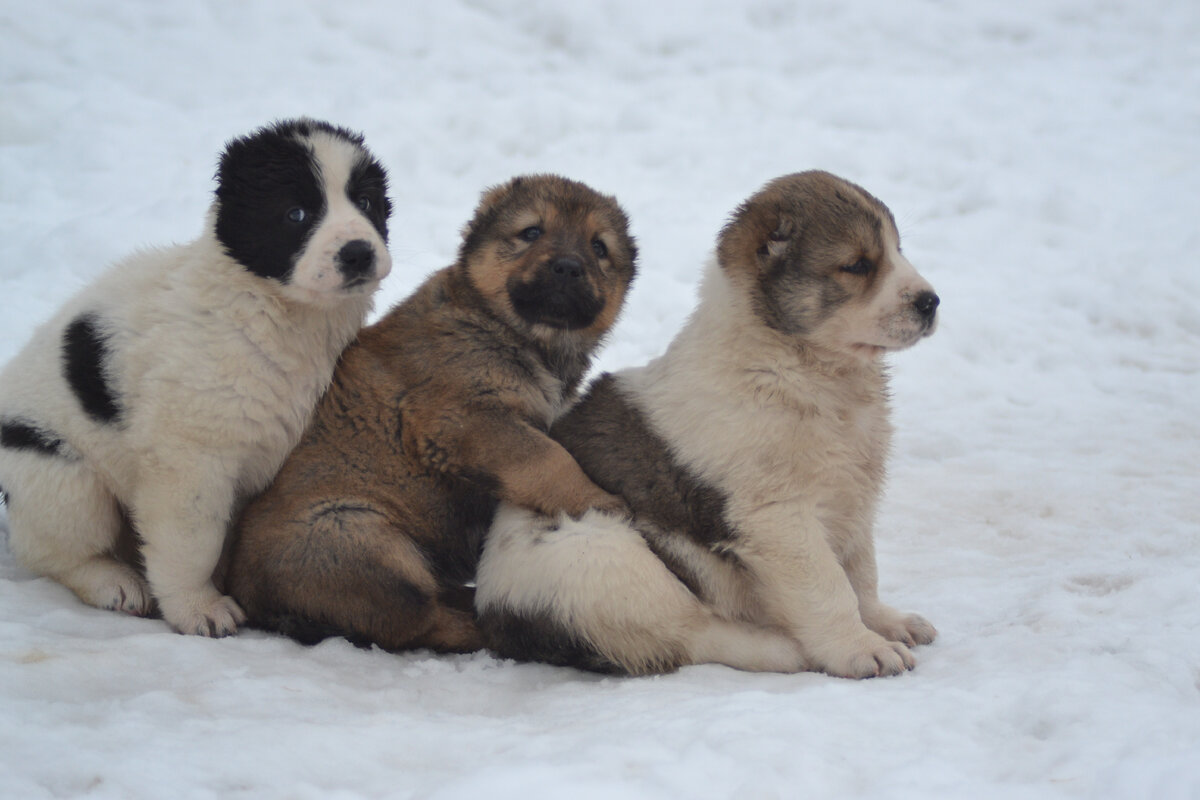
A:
[861,267]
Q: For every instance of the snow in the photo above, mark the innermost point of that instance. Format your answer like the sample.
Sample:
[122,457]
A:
[1043,160]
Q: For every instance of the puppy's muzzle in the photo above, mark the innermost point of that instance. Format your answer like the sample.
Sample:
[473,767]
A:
[559,295]
[356,262]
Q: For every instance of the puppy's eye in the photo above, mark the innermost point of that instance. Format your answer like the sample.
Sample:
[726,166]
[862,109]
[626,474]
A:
[363,202]
[599,248]
[861,267]
[530,234]
[297,215]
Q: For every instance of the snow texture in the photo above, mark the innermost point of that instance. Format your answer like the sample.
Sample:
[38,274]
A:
[1043,510]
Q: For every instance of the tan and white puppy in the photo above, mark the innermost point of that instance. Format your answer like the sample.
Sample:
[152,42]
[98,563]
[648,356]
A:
[172,388]
[752,454]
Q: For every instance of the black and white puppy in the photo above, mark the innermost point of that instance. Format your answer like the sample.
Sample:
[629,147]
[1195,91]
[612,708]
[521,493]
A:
[752,454]
[173,387]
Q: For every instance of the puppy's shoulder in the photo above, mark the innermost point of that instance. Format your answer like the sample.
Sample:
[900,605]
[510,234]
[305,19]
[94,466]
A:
[446,334]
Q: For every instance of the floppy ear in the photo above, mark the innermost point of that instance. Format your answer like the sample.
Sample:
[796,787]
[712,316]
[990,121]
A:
[777,241]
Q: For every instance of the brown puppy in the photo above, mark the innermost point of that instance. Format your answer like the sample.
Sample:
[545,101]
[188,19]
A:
[438,411]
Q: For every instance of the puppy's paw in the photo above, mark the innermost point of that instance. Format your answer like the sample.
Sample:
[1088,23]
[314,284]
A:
[203,613]
[107,583]
[131,597]
[868,655]
[908,629]
[610,504]
[599,500]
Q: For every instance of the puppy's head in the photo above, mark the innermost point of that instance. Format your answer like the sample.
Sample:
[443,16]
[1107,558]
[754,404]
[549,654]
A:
[820,259]
[550,255]
[304,203]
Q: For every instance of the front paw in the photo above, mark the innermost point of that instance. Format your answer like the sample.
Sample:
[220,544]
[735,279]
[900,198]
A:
[107,583]
[866,655]
[909,629]
[203,613]
[597,499]
[610,504]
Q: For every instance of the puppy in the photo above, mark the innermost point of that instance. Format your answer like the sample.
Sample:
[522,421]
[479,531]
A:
[374,525]
[175,384]
[752,456]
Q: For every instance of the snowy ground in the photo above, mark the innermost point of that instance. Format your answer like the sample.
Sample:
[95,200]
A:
[1043,159]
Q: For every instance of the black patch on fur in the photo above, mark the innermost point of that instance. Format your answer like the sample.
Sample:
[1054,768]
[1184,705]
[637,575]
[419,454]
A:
[527,636]
[85,356]
[368,179]
[20,435]
[611,440]
[659,542]
[264,176]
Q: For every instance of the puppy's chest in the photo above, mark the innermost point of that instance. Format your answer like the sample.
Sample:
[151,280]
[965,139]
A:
[826,449]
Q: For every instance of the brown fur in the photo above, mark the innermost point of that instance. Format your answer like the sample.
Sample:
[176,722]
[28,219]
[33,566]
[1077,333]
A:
[438,411]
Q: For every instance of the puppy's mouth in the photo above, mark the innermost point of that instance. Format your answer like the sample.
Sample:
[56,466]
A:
[360,281]
[870,350]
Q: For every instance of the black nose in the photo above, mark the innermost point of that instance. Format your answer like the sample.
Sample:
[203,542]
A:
[356,259]
[566,268]
[926,303]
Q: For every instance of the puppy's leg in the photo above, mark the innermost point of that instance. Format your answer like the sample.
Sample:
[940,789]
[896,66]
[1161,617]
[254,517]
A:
[344,569]
[743,646]
[64,523]
[590,592]
[182,513]
[531,469]
[893,625]
[804,587]
[541,474]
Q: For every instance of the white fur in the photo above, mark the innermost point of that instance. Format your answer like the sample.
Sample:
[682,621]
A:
[217,371]
[795,437]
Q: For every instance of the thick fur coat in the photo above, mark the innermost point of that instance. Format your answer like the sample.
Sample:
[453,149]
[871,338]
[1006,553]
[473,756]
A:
[171,389]
[373,528]
[752,454]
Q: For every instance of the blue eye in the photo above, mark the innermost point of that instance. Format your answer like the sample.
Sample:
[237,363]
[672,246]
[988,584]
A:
[531,234]
[364,202]
[297,215]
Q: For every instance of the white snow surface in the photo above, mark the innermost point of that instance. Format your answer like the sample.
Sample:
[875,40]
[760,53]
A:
[1043,509]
